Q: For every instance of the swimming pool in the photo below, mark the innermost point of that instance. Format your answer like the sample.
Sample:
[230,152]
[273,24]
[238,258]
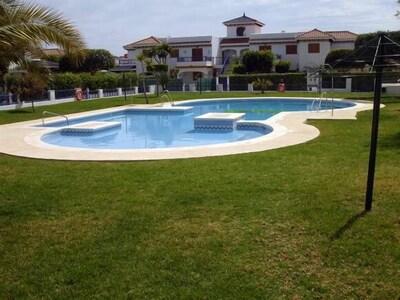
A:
[271,128]
[182,125]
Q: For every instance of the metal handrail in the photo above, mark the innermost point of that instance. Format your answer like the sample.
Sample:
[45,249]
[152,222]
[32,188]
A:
[53,114]
[167,95]
[226,63]
[319,102]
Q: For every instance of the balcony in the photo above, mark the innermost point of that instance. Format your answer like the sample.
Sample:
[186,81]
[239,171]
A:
[195,61]
[126,62]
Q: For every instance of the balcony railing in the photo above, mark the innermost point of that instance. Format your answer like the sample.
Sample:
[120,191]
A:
[126,62]
[195,58]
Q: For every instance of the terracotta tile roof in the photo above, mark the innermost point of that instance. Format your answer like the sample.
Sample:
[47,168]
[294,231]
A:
[315,34]
[150,41]
[234,41]
[282,36]
[242,20]
[190,40]
[343,35]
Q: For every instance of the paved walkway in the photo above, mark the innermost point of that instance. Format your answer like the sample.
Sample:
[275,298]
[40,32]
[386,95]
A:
[290,128]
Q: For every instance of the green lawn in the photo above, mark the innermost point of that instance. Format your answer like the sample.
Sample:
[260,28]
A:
[284,223]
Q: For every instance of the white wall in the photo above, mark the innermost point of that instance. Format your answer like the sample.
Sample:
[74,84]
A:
[249,29]
[215,46]
[280,49]
[342,45]
[317,59]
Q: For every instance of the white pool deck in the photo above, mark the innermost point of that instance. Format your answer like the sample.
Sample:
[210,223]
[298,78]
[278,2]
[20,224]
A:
[290,128]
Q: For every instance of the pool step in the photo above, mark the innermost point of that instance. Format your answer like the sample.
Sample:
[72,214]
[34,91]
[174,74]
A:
[90,127]
[218,121]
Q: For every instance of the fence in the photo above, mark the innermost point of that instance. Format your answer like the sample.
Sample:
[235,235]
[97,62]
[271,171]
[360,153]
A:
[358,84]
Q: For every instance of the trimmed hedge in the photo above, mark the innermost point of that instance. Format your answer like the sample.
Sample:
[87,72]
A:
[66,81]
[258,61]
[275,78]
[282,66]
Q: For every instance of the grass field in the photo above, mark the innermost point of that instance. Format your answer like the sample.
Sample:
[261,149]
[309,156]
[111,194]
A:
[285,223]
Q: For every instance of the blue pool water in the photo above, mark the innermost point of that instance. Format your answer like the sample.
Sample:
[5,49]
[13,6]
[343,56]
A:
[168,128]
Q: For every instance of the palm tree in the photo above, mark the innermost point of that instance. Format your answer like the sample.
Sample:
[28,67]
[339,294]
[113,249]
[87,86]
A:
[25,27]
[162,51]
[144,60]
[262,84]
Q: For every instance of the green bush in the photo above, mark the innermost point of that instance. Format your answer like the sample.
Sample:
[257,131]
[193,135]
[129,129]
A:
[160,68]
[93,82]
[131,80]
[106,80]
[87,81]
[65,81]
[282,66]
[258,61]
[288,78]
[239,69]
[262,84]
[13,82]
[334,56]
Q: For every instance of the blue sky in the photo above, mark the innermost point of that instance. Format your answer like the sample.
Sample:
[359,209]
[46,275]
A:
[112,24]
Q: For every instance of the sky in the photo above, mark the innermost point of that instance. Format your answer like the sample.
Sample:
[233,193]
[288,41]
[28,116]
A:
[107,24]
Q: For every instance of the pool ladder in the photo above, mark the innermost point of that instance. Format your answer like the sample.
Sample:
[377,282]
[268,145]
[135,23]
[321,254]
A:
[166,95]
[53,114]
[318,102]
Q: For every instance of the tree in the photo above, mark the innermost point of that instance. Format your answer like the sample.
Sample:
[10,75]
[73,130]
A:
[370,42]
[262,84]
[32,87]
[66,65]
[53,57]
[334,57]
[24,27]
[96,60]
[160,54]
[258,61]
[144,60]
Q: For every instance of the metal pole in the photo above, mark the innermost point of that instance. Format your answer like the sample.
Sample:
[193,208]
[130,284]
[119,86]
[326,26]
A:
[200,83]
[375,125]
[123,77]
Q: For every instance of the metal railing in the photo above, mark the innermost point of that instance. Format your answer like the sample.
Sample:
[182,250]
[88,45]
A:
[166,95]
[126,62]
[53,114]
[195,58]
[318,102]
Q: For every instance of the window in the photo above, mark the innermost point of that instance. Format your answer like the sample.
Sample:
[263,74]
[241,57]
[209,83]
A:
[264,48]
[313,48]
[197,54]
[174,53]
[240,31]
[291,49]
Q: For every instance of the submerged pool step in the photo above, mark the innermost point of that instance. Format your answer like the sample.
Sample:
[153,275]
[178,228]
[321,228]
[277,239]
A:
[90,127]
[218,121]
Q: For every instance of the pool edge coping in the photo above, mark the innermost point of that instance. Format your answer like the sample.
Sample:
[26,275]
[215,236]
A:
[290,128]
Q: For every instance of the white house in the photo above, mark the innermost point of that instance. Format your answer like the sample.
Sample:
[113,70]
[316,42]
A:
[209,56]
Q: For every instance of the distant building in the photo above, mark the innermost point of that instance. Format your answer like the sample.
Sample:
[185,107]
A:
[210,56]
[123,64]
[53,51]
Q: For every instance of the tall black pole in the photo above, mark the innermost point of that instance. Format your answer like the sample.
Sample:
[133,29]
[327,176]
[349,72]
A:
[124,79]
[375,123]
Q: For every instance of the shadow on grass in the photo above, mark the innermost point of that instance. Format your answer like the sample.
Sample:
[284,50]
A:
[19,111]
[338,234]
[391,141]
